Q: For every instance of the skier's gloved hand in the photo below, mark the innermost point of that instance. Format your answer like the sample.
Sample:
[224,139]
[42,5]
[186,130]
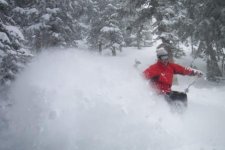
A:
[197,73]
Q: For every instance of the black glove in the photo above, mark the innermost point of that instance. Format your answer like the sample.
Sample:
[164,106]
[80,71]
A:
[197,73]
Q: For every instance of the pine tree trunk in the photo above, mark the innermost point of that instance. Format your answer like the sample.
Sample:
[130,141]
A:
[213,69]
[120,48]
[100,47]
[113,51]
[223,60]
[139,37]
[192,47]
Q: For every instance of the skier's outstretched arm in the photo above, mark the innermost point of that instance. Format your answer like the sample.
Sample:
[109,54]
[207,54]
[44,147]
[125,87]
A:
[186,71]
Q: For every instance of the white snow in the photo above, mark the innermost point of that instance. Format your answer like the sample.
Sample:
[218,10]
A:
[84,25]
[19,9]
[32,11]
[78,100]
[27,11]
[1,46]
[110,29]
[169,10]
[4,37]
[53,11]
[36,26]
[3,2]
[15,31]
[46,17]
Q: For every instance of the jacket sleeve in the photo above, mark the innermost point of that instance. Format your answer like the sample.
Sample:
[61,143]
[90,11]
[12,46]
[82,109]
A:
[151,72]
[182,70]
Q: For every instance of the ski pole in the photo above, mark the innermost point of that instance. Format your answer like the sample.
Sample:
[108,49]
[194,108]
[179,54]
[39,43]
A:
[192,83]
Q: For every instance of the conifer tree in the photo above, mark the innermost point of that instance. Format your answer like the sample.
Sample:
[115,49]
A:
[105,27]
[13,54]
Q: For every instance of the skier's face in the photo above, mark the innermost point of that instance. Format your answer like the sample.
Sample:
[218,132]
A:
[164,59]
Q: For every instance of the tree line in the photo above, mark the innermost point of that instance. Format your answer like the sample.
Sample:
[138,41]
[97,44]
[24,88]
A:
[29,26]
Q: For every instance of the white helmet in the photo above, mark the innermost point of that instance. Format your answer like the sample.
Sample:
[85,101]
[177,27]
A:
[161,52]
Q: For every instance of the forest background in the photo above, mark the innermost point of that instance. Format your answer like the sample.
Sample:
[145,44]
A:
[28,27]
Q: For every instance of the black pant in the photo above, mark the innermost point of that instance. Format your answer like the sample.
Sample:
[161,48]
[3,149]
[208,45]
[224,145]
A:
[174,96]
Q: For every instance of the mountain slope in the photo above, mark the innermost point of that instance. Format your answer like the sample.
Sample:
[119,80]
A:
[75,99]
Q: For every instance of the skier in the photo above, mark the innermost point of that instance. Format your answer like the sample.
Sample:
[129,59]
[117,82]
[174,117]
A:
[161,76]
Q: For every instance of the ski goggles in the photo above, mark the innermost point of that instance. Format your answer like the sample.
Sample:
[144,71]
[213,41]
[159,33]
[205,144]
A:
[164,57]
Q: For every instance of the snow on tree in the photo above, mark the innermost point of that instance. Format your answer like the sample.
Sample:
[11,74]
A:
[13,54]
[105,30]
[207,24]
[50,24]
[111,24]
[136,23]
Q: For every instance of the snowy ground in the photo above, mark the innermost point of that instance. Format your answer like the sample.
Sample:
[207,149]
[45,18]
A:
[77,100]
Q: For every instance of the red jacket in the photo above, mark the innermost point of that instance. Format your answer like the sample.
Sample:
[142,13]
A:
[162,76]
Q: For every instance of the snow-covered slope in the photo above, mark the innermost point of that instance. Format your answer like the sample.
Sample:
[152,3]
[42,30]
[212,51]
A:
[77,100]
